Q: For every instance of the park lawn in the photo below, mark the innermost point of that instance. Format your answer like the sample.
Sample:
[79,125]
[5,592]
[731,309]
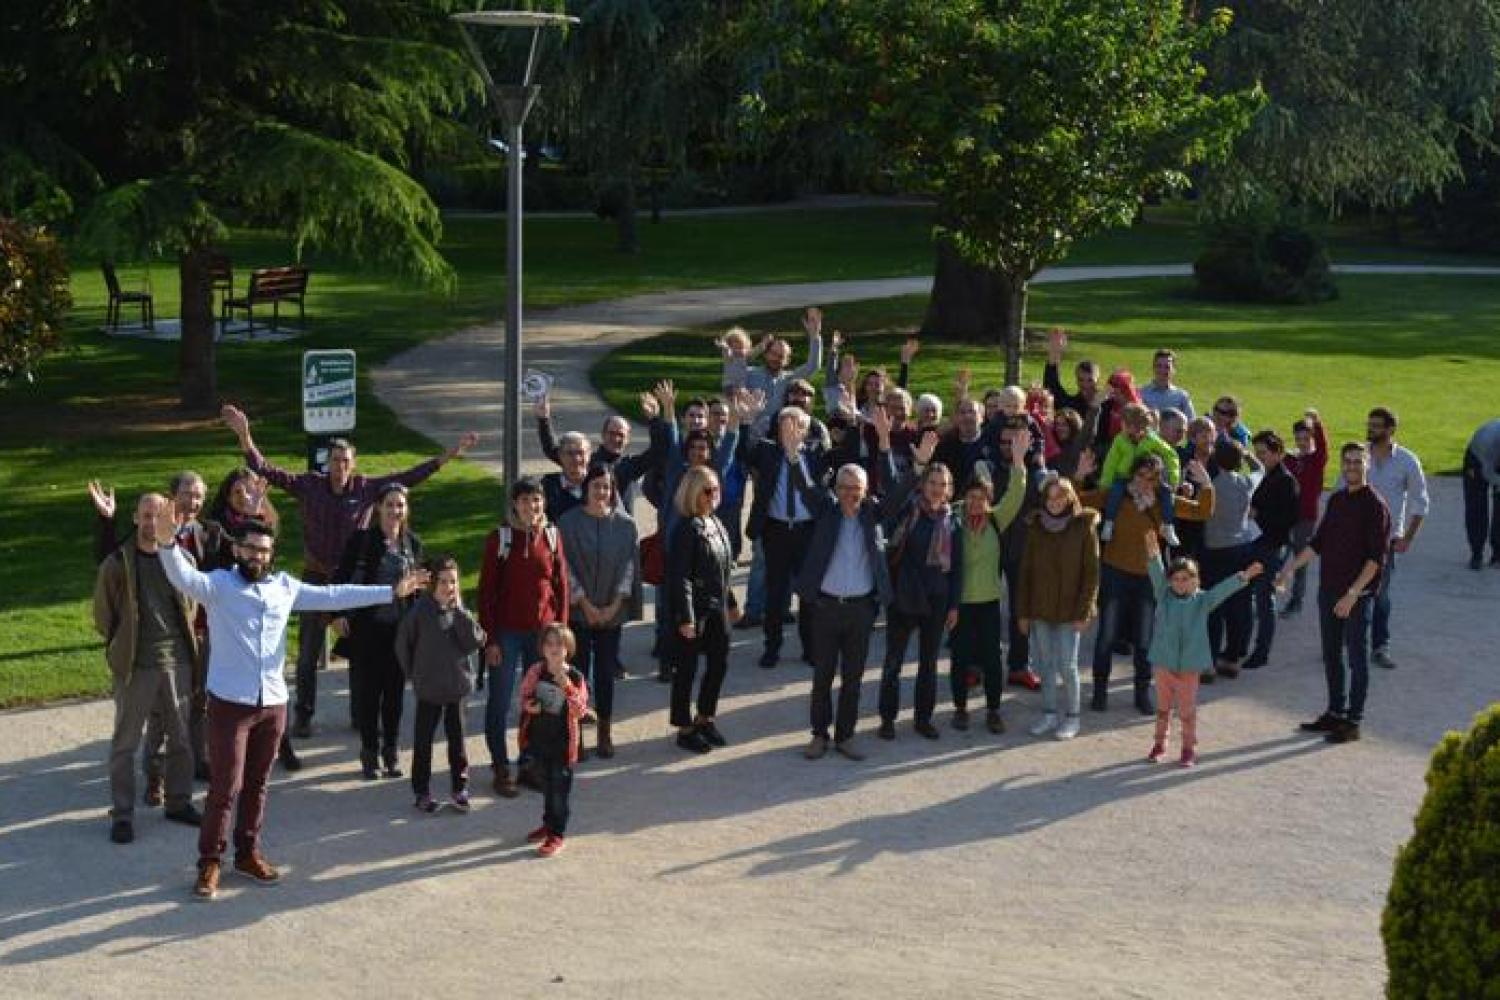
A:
[106,408]
[1422,345]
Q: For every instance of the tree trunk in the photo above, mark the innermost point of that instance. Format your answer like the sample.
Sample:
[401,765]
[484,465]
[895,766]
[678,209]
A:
[199,389]
[977,304]
[625,221]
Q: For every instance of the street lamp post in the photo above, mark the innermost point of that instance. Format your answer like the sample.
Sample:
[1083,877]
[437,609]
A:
[514,103]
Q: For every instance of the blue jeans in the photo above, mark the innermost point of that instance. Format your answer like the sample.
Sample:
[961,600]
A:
[1263,595]
[1127,606]
[518,650]
[1380,614]
[1054,650]
[1345,637]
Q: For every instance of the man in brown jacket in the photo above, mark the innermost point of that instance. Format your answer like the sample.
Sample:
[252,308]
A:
[151,647]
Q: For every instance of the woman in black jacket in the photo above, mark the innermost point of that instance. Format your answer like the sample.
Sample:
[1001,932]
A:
[701,607]
[382,553]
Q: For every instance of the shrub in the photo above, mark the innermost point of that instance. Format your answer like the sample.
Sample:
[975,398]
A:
[1442,918]
[1253,261]
[33,297]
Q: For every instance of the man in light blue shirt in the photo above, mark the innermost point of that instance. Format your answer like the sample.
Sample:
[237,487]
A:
[1160,394]
[774,378]
[248,609]
[1396,474]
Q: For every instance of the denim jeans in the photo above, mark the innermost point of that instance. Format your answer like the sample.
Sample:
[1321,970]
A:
[1263,596]
[1380,612]
[1054,650]
[518,650]
[557,786]
[1345,637]
[1126,605]
[755,587]
[1481,509]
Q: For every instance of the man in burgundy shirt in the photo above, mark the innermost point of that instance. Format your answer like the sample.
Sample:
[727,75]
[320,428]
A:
[1351,541]
[334,505]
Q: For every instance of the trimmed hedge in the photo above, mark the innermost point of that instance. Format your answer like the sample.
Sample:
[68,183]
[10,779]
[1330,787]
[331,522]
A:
[1259,262]
[1442,918]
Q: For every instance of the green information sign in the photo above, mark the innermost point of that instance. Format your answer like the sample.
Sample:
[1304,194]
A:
[327,392]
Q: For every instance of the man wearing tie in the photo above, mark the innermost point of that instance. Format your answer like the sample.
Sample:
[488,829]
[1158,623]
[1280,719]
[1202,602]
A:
[780,518]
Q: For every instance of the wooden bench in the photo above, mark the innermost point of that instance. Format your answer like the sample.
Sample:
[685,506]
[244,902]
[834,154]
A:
[274,285]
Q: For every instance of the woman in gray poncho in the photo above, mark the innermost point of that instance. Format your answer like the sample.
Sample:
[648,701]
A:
[603,548]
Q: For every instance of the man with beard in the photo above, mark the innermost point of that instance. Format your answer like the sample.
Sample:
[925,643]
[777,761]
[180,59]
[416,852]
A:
[614,439]
[1396,474]
[774,379]
[248,608]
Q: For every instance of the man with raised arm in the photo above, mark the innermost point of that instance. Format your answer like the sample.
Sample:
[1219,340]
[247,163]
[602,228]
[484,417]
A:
[248,610]
[774,377]
[334,505]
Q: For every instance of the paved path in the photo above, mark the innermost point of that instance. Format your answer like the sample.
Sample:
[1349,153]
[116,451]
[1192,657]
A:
[972,866]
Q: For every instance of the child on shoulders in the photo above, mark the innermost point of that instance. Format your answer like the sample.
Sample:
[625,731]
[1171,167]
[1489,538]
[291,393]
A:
[1136,440]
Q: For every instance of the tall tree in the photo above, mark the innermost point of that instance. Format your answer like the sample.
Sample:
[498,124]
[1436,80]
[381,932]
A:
[160,121]
[1035,123]
[1367,100]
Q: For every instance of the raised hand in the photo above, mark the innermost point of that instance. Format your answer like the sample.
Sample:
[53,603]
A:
[467,441]
[1088,464]
[411,583]
[1057,342]
[164,525]
[1020,444]
[1252,571]
[666,392]
[1152,546]
[881,421]
[909,349]
[1197,473]
[650,408]
[812,321]
[923,450]
[838,340]
[104,499]
[961,381]
[543,407]
[751,403]
[234,418]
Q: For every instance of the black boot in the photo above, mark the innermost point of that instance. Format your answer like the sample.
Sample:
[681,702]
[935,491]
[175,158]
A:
[391,759]
[369,768]
[1100,701]
[287,755]
[1143,703]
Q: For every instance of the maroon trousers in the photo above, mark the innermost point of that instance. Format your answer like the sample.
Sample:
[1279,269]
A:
[242,744]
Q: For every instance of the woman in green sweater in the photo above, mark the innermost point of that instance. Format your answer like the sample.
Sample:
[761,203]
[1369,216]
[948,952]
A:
[1055,601]
[1180,650]
[976,635]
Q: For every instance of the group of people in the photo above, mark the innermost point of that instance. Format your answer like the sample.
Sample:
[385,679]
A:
[1002,532]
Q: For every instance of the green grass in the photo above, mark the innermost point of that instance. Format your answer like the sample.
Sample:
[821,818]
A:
[106,408]
[1421,345]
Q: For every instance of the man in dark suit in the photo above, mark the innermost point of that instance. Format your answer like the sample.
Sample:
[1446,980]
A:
[844,581]
[780,518]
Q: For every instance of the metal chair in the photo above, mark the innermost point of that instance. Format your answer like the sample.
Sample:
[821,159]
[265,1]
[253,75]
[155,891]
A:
[118,297]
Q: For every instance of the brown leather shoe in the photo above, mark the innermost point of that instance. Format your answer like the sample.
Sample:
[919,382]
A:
[256,867]
[504,785]
[207,885]
[156,791]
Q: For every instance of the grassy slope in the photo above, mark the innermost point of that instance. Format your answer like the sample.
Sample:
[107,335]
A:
[1422,345]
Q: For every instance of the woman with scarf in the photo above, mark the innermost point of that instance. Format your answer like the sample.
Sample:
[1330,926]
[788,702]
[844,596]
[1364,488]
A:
[383,553]
[603,544]
[925,552]
[1055,601]
[976,635]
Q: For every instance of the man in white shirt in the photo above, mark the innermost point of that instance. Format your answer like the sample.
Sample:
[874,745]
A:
[1396,474]
[248,608]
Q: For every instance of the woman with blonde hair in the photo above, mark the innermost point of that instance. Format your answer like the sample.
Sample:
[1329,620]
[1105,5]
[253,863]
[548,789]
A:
[1059,583]
[700,607]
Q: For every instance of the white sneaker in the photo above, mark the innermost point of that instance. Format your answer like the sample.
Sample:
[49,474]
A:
[1169,535]
[1044,725]
[1107,531]
[1068,729]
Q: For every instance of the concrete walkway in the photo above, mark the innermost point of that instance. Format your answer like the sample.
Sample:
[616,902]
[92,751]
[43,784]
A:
[970,866]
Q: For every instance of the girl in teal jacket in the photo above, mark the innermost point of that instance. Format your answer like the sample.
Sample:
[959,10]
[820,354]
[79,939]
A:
[1179,650]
